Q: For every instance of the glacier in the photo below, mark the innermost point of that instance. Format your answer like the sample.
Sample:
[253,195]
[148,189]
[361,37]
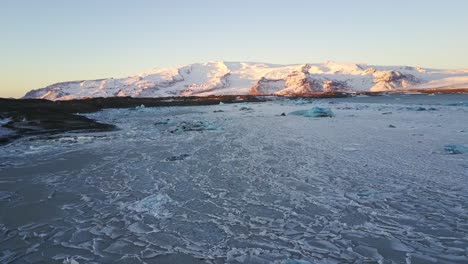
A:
[242,78]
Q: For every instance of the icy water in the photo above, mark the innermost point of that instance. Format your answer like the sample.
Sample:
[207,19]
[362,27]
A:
[243,184]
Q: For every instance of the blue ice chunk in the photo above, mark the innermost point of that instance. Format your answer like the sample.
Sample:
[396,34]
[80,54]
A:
[456,149]
[195,126]
[153,204]
[4,121]
[420,108]
[314,112]
[458,104]
[213,127]
[296,261]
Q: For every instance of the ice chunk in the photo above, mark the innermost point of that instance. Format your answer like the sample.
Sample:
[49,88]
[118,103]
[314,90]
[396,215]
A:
[296,261]
[163,122]
[302,102]
[139,228]
[420,108]
[4,121]
[4,195]
[194,126]
[314,112]
[177,158]
[8,256]
[84,139]
[153,204]
[456,149]
[149,253]
[70,261]
[245,109]
[122,247]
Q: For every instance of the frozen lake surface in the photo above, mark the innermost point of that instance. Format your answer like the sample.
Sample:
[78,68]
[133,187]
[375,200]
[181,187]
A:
[241,183]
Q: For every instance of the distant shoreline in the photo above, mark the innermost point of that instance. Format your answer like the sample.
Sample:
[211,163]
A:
[41,117]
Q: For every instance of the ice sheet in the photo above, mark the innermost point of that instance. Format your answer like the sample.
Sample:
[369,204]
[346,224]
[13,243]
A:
[265,189]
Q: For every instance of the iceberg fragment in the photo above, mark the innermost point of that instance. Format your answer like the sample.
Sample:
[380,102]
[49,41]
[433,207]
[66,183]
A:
[177,158]
[163,122]
[153,204]
[296,261]
[4,195]
[420,109]
[456,149]
[194,126]
[70,261]
[245,109]
[314,112]
[4,121]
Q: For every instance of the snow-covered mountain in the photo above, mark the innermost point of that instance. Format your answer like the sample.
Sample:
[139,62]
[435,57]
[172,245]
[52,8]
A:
[239,78]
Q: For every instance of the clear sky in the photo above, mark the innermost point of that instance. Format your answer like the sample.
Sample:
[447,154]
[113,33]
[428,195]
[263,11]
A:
[48,41]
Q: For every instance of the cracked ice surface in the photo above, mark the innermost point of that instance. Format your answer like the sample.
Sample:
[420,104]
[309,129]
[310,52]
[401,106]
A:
[260,188]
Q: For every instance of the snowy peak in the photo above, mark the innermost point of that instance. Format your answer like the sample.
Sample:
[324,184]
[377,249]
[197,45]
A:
[393,80]
[228,78]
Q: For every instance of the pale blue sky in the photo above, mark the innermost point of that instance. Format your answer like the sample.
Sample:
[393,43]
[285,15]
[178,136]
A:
[48,41]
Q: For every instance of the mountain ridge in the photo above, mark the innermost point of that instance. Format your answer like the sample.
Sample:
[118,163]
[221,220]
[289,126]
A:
[242,78]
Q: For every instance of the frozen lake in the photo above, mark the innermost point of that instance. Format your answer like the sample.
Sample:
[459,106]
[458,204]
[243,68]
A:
[240,183]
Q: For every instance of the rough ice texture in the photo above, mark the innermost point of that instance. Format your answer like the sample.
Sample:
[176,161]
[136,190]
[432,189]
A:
[265,189]
[226,78]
